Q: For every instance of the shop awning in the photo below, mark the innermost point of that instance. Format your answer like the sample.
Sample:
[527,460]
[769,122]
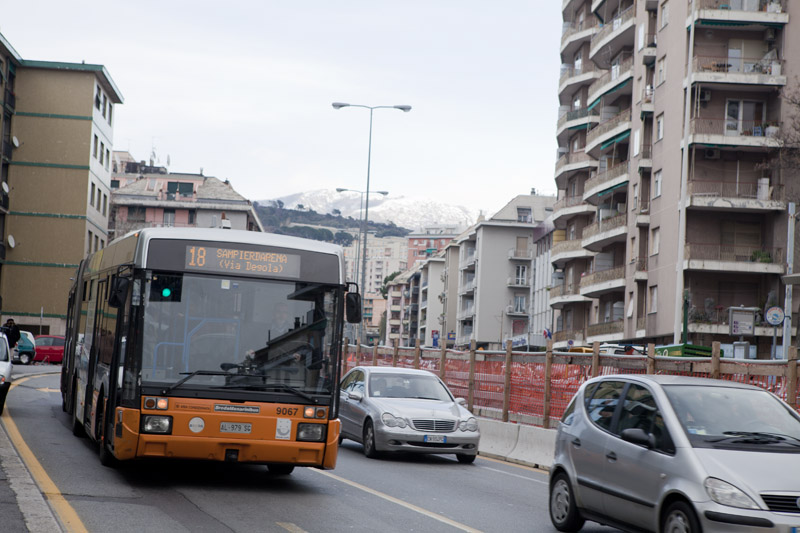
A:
[622,136]
[613,89]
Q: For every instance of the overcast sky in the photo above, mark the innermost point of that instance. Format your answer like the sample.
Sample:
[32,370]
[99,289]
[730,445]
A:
[243,89]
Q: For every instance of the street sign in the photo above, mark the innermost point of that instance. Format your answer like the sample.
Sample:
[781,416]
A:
[774,316]
[742,320]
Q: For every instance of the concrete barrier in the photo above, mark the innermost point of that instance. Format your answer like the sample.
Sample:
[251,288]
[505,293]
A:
[535,446]
[498,439]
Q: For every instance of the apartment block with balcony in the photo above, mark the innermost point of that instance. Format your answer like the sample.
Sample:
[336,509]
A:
[639,210]
[385,256]
[429,241]
[450,297]
[57,122]
[431,301]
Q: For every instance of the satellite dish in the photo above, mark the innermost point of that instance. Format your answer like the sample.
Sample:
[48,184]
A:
[6,190]
[15,141]
[11,241]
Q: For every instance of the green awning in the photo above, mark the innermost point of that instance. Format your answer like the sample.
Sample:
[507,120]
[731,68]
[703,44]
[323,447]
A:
[613,89]
[579,127]
[622,136]
[610,189]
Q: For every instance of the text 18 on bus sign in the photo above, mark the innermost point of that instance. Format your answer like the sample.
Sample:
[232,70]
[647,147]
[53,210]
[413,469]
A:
[242,261]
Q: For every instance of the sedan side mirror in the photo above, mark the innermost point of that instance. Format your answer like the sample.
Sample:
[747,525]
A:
[355,395]
[639,437]
[462,402]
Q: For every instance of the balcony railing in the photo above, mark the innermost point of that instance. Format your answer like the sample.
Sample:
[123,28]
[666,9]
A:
[515,281]
[605,328]
[516,310]
[567,334]
[567,201]
[615,72]
[614,25]
[607,224]
[733,253]
[608,125]
[770,6]
[647,151]
[567,289]
[640,264]
[571,28]
[641,323]
[577,114]
[731,127]
[10,99]
[730,189]
[466,312]
[602,276]
[570,71]
[520,253]
[755,66]
[616,171]
[562,247]
[467,287]
[572,158]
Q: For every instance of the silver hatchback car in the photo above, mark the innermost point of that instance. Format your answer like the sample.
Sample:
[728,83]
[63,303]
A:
[390,409]
[676,454]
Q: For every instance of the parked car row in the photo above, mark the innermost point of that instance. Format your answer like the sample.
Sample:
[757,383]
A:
[41,348]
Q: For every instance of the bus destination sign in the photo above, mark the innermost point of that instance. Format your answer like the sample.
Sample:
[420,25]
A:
[243,262]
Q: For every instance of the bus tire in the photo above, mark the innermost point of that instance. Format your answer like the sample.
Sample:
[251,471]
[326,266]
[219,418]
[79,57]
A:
[106,457]
[77,426]
[280,469]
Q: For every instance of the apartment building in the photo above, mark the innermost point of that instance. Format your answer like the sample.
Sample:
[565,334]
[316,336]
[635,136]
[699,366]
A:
[57,125]
[402,307]
[450,278]
[428,242]
[385,256]
[147,196]
[431,302]
[495,269]
[646,231]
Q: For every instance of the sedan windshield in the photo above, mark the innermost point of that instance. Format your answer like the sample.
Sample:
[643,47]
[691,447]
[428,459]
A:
[726,416]
[408,386]
[249,334]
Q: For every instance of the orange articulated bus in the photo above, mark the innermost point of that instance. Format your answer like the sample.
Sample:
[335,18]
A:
[212,344]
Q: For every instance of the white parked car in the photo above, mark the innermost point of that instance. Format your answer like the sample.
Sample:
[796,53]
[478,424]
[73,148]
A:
[6,368]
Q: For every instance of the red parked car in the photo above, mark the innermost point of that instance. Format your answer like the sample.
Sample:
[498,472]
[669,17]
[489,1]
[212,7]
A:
[49,348]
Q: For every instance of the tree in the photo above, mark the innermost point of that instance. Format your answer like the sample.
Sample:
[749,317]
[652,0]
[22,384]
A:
[336,212]
[386,280]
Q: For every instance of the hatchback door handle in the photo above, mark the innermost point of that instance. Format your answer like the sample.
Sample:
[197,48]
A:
[611,456]
[576,442]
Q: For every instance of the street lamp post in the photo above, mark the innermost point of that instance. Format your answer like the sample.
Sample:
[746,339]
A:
[404,109]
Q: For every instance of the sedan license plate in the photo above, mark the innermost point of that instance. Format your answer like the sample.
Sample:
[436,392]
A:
[235,427]
[436,438]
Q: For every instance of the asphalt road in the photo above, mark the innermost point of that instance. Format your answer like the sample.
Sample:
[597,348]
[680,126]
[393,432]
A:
[395,494]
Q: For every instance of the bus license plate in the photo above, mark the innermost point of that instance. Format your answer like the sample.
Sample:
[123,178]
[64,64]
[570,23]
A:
[235,427]
[435,438]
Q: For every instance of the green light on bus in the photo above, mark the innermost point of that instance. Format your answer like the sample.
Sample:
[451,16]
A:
[166,292]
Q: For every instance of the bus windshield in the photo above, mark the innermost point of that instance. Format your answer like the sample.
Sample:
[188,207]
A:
[238,333]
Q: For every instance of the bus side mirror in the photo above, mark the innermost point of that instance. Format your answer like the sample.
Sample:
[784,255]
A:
[119,292]
[352,307]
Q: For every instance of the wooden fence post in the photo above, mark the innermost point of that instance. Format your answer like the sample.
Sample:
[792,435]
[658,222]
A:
[471,383]
[395,351]
[595,359]
[715,349]
[358,353]
[548,372]
[345,344]
[443,361]
[375,353]
[507,384]
[791,377]
[416,354]
[651,358]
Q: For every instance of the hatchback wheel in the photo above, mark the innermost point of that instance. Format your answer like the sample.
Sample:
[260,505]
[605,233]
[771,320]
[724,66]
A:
[369,441]
[25,358]
[680,518]
[563,510]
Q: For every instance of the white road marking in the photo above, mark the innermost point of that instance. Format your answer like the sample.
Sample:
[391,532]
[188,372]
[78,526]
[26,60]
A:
[514,475]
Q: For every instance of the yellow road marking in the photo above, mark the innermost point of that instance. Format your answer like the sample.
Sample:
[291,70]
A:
[398,501]
[291,527]
[66,514]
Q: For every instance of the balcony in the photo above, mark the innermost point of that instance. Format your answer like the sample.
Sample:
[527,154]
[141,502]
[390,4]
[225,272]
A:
[467,260]
[608,133]
[613,178]
[645,157]
[572,163]
[520,254]
[562,337]
[764,71]
[613,36]
[754,134]
[467,313]
[607,231]
[569,207]
[10,100]
[740,12]
[648,101]
[715,257]
[467,287]
[616,79]
[642,212]
[562,295]
[648,51]
[605,331]
[638,267]
[518,282]
[574,34]
[566,251]
[602,282]
[571,76]
[736,197]
[513,310]
[577,119]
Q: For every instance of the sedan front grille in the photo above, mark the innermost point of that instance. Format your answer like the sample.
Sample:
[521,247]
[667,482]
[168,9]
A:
[782,503]
[433,424]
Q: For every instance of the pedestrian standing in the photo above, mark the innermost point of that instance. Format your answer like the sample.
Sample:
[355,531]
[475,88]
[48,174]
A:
[12,333]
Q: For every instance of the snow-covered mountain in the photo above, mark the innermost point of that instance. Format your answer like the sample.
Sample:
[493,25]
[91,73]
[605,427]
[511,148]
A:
[411,213]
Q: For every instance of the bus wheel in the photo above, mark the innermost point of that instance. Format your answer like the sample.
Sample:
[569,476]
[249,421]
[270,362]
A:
[106,457]
[280,470]
[77,426]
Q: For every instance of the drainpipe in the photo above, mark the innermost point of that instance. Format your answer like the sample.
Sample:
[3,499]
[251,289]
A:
[787,306]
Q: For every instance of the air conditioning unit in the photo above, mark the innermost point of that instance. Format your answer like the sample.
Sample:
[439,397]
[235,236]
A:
[712,153]
[705,95]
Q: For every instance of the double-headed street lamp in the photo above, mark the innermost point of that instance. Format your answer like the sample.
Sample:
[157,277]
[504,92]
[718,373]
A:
[405,109]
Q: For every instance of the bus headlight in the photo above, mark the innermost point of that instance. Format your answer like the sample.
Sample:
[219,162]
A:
[157,424]
[311,432]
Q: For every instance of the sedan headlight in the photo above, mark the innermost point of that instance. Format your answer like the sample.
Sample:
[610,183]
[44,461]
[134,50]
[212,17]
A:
[469,424]
[724,493]
[393,421]
[157,424]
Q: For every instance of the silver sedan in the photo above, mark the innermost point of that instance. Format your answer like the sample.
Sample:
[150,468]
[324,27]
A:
[390,409]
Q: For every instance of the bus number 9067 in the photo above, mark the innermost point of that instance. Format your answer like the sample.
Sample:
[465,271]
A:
[286,411]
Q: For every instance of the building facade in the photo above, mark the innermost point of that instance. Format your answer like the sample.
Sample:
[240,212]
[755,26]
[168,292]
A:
[652,238]
[429,242]
[57,124]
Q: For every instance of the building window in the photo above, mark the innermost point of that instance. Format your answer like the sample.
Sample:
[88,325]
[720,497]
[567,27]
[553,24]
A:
[664,13]
[169,217]
[105,105]
[96,144]
[519,304]
[524,214]
[96,243]
[88,242]
[98,99]
[661,71]
[657,184]
[91,196]
[654,299]
[108,157]
[115,184]
[105,204]
[110,109]
[660,127]
[102,152]
[655,241]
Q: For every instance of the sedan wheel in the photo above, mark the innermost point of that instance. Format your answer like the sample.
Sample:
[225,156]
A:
[680,518]
[369,441]
[563,511]
[465,458]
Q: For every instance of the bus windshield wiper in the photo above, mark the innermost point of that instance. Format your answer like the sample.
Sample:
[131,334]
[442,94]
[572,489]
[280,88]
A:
[181,381]
[291,389]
